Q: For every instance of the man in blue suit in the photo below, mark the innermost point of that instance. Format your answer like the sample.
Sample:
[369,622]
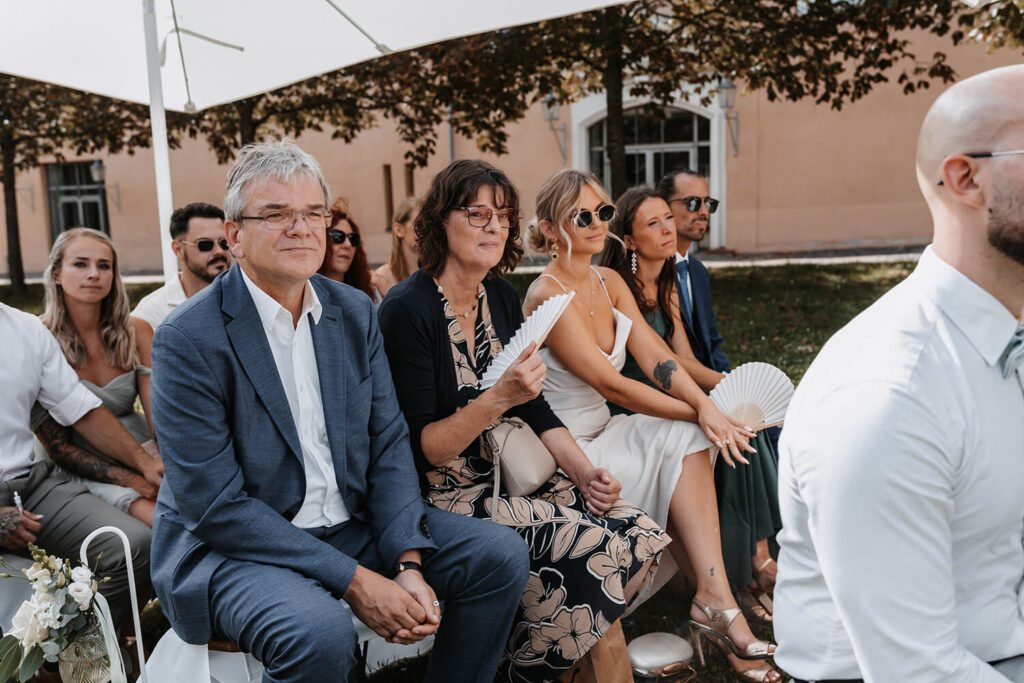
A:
[289,479]
[688,194]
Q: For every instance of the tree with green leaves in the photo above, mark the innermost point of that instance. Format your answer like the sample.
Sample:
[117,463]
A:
[41,119]
[478,84]
[833,51]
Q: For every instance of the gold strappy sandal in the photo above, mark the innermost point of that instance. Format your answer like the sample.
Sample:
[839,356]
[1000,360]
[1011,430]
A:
[717,631]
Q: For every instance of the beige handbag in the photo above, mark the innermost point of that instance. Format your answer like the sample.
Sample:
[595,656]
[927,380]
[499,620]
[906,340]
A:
[520,458]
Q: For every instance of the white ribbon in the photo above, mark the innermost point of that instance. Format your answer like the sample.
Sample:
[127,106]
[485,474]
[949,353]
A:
[117,672]
[109,631]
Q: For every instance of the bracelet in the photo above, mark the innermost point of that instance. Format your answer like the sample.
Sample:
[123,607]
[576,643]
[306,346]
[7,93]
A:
[405,566]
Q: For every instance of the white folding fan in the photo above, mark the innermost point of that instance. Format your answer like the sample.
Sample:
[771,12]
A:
[755,394]
[534,329]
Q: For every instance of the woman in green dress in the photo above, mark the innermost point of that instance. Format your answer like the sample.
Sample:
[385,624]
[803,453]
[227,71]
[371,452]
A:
[747,495]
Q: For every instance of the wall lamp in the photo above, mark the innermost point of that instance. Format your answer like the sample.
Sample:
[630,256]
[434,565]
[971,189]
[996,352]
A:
[727,101]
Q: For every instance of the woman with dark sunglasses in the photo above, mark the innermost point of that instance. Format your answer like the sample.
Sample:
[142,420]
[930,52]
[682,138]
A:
[663,455]
[748,503]
[345,258]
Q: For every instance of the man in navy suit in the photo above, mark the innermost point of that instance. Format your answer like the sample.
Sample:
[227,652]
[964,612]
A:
[289,481]
[688,195]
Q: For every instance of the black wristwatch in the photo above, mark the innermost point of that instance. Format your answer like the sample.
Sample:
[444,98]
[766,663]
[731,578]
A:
[403,566]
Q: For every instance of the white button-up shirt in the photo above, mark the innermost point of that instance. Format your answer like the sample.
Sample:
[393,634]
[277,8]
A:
[901,487]
[292,346]
[33,368]
[159,303]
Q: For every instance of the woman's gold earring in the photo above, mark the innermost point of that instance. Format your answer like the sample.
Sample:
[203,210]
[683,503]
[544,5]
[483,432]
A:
[554,251]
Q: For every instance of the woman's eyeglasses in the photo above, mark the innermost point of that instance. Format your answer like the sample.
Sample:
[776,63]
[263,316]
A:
[206,244]
[584,218]
[693,203]
[339,237]
[480,216]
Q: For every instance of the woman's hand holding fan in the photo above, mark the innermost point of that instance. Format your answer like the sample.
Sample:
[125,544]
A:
[755,394]
[522,380]
[534,330]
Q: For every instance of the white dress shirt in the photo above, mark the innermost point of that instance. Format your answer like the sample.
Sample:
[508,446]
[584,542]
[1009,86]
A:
[159,303]
[901,487]
[33,368]
[292,346]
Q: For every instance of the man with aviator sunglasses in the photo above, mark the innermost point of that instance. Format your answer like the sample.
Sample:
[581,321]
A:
[197,231]
[687,193]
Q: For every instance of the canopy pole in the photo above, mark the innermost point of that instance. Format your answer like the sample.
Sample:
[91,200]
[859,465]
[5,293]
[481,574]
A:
[161,154]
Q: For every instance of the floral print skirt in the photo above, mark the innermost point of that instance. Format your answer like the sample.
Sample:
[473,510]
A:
[580,564]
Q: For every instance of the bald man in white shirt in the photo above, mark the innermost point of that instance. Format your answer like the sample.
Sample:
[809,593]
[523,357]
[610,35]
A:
[901,474]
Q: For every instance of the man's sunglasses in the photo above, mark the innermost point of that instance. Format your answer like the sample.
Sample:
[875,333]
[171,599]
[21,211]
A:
[339,237]
[206,244]
[693,203]
[585,218]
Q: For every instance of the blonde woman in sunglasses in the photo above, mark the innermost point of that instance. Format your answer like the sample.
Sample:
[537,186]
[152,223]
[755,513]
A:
[663,455]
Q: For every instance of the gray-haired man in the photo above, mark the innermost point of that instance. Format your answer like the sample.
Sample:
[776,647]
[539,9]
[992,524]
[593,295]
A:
[289,476]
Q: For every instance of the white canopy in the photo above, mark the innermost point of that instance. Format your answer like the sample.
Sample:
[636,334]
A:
[231,49]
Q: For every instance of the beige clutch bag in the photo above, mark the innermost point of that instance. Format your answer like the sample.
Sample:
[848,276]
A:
[521,460]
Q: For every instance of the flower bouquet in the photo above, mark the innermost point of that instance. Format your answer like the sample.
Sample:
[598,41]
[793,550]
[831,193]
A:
[61,619]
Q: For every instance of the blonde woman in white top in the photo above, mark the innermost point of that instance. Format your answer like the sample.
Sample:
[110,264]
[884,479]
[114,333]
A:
[662,455]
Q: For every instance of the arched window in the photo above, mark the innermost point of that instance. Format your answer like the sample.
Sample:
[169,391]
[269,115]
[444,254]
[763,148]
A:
[655,145]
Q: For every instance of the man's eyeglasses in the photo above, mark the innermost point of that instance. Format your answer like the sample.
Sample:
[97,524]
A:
[285,218]
[584,218]
[986,155]
[339,237]
[480,216]
[693,203]
[205,244]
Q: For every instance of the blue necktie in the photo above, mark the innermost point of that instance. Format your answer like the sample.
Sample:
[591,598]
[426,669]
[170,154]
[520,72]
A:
[684,290]
[1013,355]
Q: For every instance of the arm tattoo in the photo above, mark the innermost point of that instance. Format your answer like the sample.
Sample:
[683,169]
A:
[663,373]
[8,524]
[57,440]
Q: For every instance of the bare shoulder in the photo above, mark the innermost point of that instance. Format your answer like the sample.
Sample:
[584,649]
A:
[143,331]
[540,290]
[612,281]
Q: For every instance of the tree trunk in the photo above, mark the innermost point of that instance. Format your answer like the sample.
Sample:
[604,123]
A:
[615,123]
[246,127]
[15,268]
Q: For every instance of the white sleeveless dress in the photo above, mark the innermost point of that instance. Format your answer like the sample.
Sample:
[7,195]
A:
[644,453]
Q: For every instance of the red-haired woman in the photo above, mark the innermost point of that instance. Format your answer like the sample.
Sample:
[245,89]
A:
[345,258]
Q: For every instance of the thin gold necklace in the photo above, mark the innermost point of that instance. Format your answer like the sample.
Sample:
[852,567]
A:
[590,304]
[464,314]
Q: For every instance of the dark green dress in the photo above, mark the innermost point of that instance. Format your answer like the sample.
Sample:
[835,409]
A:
[748,500]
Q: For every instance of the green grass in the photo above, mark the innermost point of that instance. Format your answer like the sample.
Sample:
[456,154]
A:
[780,315]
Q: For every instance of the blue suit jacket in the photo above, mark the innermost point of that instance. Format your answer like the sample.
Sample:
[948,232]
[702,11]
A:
[234,471]
[703,334]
